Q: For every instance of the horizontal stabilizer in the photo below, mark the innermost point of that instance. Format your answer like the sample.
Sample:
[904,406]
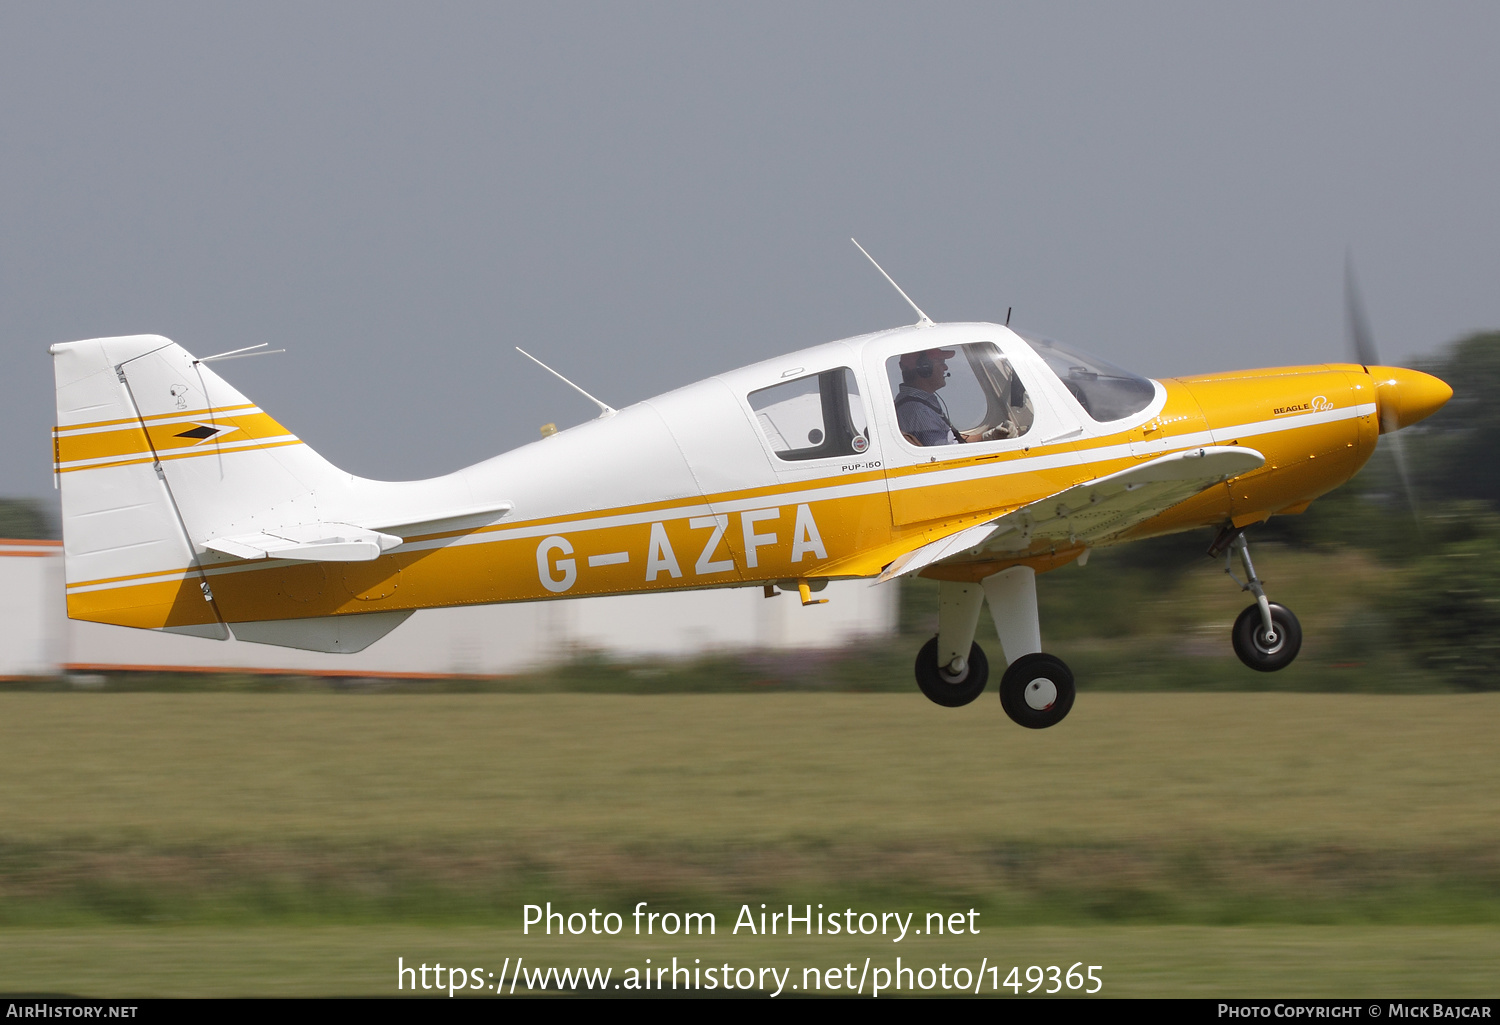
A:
[429,522]
[1089,513]
[308,542]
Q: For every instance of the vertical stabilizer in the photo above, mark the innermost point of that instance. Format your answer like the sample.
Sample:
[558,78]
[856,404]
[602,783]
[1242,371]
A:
[154,454]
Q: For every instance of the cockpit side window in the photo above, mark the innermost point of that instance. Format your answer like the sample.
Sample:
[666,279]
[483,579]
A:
[1103,390]
[965,394]
[813,417]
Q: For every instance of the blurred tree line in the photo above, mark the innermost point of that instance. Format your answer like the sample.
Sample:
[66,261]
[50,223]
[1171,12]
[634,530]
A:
[26,519]
[1447,608]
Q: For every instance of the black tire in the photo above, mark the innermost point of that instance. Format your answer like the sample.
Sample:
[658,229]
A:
[1037,691]
[1251,645]
[946,689]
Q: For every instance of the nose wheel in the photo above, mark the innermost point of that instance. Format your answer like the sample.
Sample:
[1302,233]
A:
[1266,635]
[1267,650]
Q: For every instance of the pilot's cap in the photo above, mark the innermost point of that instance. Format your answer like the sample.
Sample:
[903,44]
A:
[910,360]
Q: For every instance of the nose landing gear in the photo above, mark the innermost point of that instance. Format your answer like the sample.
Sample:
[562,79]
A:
[1266,635]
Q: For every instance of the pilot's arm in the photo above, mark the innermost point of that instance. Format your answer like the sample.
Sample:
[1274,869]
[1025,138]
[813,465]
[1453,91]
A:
[1004,429]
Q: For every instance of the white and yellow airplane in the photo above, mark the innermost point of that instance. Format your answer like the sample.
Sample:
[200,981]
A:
[966,453]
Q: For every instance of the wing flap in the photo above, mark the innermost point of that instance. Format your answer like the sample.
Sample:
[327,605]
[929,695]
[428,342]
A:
[1089,513]
[937,551]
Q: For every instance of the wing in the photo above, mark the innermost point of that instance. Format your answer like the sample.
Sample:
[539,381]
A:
[1091,513]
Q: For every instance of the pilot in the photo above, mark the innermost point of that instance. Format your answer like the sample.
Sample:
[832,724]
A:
[919,412]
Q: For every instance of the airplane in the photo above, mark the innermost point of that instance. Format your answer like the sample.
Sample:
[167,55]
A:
[968,453]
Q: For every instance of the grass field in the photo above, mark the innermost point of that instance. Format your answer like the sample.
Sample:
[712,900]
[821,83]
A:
[160,844]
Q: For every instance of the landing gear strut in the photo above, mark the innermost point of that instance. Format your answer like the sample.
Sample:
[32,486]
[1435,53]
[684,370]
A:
[1266,636]
[1036,690]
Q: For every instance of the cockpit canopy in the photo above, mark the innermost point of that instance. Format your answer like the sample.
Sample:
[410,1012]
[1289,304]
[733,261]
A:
[965,388]
[1103,390]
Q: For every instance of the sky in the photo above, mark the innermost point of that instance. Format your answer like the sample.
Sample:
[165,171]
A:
[646,194]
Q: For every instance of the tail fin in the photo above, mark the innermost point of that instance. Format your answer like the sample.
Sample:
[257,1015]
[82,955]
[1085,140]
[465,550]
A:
[154,454]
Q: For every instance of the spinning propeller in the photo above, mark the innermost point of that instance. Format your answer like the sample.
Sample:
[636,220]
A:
[1402,397]
[1365,352]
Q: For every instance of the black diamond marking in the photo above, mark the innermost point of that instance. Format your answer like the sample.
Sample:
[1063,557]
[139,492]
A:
[201,433]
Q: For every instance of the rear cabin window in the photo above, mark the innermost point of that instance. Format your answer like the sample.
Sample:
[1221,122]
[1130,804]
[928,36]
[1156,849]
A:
[813,417]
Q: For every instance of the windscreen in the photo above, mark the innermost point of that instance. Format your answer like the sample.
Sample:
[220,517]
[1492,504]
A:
[1103,390]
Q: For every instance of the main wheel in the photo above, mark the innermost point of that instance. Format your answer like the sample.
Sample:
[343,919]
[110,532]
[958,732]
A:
[1264,652]
[952,689]
[1037,690]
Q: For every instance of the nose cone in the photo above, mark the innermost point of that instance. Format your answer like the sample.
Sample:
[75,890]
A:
[1406,396]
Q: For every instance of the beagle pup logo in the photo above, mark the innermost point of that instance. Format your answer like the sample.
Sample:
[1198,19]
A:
[1318,404]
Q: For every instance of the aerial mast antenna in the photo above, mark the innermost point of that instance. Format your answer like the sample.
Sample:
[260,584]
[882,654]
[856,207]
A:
[604,408]
[239,353]
[923,320]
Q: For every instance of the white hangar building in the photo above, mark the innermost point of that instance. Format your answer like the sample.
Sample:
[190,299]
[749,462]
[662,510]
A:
[37,638]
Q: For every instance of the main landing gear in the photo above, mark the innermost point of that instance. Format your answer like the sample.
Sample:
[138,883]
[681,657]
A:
[1266,636]
[957,683]
[1036,689]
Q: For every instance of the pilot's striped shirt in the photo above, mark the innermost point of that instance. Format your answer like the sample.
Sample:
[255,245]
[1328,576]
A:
[919,414]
